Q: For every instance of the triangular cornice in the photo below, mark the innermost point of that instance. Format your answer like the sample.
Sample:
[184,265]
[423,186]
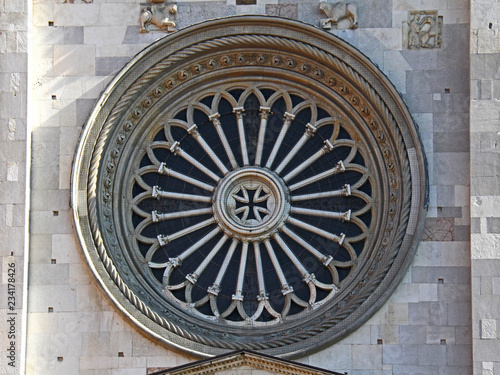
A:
[245,358]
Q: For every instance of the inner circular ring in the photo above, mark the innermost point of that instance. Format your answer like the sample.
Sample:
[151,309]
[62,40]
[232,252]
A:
[251,203]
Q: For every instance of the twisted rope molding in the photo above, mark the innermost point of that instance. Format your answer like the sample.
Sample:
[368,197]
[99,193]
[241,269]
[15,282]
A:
[124,104]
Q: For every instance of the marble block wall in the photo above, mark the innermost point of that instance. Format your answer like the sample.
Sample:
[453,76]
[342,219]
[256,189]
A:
[14,156]
[485,184]
[425,328]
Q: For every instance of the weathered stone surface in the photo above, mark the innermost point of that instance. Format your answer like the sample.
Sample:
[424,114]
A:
[444,275]
[337,357]
[367,357]
[74,60]
[493,224]
[458,355]
[73,35]
[282,10]
[436,335]
[109,65]
[451,142]
[400,354]
[438,229]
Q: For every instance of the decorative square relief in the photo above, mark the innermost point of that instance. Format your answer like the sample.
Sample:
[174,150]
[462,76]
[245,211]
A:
[488,329]
[423,29]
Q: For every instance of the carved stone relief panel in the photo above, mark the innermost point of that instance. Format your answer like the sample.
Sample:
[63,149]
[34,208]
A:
[423,30]
[340,15]
[240,186]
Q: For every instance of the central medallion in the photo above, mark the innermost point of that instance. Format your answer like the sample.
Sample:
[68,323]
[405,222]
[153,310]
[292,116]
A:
[251,203]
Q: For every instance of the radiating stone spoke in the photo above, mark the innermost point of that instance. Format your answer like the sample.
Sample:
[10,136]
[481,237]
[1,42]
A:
[238,296]
[215,118]
[342,216]
[325,259]
[260,272]
[277,267]
[158,193]
[214,289]
[291,255]
[338,168]
[193,277]
[193,130]
[165,239]
[324,150]
[264,114]
[177,150]
[310,131]
[345,192]
[316,230]
[169,172]
[157,217]
[241,131]
[288,118]
[177,261]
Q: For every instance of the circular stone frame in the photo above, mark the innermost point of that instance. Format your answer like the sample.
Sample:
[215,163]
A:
[198,55]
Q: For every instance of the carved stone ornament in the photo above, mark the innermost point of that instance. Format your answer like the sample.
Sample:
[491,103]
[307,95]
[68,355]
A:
[423,29]
[340,15]
[158,16]
[249,183]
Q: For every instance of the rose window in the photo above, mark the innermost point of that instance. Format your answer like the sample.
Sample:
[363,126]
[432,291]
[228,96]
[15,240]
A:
[249,183]
[252,205]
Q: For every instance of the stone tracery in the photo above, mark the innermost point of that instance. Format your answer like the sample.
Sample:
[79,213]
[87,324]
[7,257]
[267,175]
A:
[260,204]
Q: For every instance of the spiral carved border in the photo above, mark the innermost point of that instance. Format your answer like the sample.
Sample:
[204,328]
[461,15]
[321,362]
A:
[347,82]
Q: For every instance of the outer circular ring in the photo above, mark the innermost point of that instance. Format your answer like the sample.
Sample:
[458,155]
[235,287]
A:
[367,94]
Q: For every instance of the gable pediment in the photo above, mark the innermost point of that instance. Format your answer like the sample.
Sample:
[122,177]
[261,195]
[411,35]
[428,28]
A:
[245,363]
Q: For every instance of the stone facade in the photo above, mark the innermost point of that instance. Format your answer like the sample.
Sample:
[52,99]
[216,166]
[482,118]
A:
[484,162]
[14,169]
[76,47]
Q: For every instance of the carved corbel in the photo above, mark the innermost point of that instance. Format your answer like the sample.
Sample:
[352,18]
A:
[158,16]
